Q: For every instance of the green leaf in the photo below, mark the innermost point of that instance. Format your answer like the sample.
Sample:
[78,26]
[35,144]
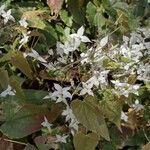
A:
[35,96]
[30,147]
[139,138]
[66,18]
[76,11]
[111,107]
[85,142]
[27,120]
[88,115]
[46,29]
[99,20]
[7,57]
[16,83]
[4,79]
[22,64]
[31,96]
[36,22]
[91,10]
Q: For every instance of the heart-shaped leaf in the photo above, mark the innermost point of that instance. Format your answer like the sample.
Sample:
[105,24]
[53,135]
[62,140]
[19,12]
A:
[88,115]
[85,142]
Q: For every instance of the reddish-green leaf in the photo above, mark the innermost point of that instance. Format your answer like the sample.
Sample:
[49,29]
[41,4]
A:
[27,120]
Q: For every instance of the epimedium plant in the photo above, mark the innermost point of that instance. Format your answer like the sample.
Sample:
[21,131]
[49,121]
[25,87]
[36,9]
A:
[75,74]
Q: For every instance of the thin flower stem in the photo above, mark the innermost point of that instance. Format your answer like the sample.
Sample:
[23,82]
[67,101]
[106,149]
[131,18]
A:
[146,135]
[13,141]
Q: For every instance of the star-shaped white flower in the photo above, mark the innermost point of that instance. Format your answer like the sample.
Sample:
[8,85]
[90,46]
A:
[68,46]
[36,55]
[47,124]
[74,126]
[8,91]
[124,116]
[86,89]
[102,78]
[137,106]
[70,117]
[68,113]
[93,81]
[61,94]
[79,37]
[103,41]
[23,22]
[61,139]
[25,38]
[7,16]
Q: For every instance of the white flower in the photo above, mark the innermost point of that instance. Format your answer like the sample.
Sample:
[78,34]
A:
[68,113]
[124,116]
[126,39]
[104,41]
[61,139]
[2,9]
[74,126]
[36,55]
[25,38]
[23,22]
[86,89]
[61,94]
[7,16]
[78,37]
[68,46]
[48,96]
[133,88]
[47,124]
[8,91]
[50,52]
[94,81]
[137,106]
[102,78]
[73,123]
[84,57]
[143,71]
[117,83]
[61,60]
[125,88]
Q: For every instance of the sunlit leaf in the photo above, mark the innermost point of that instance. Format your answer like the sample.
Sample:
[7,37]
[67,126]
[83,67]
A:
[85,142]
[111,106]
[90,12]
[22,64]
[90,117]
[33,13]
